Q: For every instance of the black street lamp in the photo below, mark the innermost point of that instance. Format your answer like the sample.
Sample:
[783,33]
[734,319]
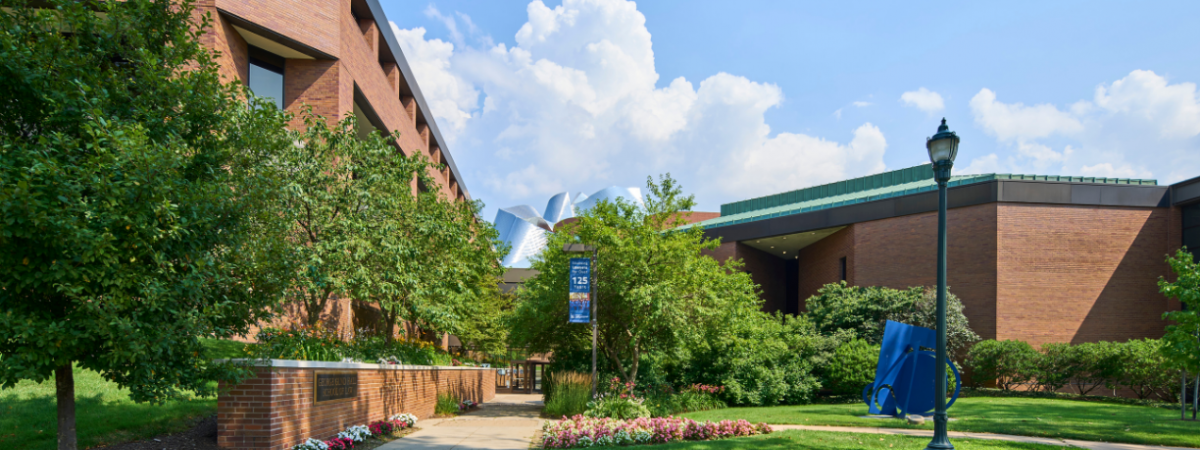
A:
[943,147]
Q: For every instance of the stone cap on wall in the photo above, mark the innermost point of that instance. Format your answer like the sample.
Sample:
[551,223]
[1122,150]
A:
[297,364]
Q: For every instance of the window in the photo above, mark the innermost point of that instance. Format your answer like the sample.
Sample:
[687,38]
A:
[842,267]
[266,75]
[1191,229]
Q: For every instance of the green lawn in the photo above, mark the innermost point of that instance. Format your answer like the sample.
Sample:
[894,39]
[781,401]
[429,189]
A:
[104,412]
[824,440]
[1068,419]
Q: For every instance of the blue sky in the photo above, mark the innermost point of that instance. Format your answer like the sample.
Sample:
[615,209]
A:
[745,99]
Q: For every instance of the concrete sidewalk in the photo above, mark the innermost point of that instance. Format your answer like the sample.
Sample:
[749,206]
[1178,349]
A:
[1000,437]
[507,422]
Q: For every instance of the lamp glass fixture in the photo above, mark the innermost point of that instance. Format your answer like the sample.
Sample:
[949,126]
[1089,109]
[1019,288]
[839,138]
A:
[943,146]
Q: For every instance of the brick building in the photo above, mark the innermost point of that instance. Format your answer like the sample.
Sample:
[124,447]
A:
[1036,258]
[337,57]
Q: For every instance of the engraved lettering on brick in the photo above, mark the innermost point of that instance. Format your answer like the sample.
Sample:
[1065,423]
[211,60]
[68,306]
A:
[335,385]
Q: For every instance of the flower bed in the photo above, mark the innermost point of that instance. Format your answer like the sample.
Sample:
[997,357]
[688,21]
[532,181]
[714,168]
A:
[580,431]
[359,434]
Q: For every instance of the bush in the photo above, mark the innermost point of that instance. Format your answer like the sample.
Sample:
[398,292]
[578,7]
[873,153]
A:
[1009,363]
[319,344]
[762,360]
[447,404]
[852,367]
[1055,367]
[571,393]
[617,401]
[864,311]
[1094,364]
[1144,369]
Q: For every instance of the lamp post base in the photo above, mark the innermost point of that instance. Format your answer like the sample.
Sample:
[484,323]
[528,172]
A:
[941,439]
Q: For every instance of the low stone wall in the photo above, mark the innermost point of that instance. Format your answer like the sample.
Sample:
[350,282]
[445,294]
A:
[277,408]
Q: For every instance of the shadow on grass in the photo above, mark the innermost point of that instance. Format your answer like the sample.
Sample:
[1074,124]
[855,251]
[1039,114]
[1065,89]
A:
[32,424]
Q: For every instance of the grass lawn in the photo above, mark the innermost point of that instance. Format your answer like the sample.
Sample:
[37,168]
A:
[1070,419]
[104,413]
[824,440]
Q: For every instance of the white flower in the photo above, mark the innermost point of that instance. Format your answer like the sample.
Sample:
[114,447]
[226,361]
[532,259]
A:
[311,444]
[357,433]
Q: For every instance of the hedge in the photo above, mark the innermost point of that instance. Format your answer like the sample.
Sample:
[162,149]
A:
[1136,364]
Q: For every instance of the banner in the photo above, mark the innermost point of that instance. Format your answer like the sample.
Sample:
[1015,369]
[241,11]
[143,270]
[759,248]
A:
[581,290]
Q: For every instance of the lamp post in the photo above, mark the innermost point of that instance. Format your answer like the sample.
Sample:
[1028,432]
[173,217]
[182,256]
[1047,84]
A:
[573,248]
[942,147]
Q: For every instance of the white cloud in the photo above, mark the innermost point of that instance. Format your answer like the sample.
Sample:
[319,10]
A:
[924,100]
[861,104]
[1016,121]
[1140,126]
[450,97]
[575,105]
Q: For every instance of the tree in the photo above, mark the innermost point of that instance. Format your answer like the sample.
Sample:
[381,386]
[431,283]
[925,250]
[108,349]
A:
[657,291]
[138,204]
[426,259]
[866,309]
[1181,343]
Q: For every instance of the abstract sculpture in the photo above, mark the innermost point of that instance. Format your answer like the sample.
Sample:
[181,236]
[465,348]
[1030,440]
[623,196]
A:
[904,377]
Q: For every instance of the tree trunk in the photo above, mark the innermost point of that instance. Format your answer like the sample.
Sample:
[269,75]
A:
[1182,394]
[64,382]
[391,325]
[1195,396]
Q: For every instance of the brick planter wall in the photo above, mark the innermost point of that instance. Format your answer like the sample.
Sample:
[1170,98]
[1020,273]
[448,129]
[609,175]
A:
[276,410]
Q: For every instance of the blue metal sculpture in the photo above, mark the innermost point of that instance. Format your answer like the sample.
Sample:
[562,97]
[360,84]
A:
[905,374]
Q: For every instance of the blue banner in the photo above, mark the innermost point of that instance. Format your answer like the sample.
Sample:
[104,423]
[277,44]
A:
[581,290]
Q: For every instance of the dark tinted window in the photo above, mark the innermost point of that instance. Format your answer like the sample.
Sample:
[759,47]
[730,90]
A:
[266,75]
[842,263]
[1191,229]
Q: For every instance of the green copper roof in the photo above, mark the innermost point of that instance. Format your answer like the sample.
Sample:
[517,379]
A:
[869,188]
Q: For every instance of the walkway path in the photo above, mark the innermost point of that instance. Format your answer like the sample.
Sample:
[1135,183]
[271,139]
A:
[1001,437]
[507,422]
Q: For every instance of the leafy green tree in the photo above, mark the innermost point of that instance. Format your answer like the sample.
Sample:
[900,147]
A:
[137,198]
[1143,369]
[865,311]
[1056,366]
[658,292]
[1181,344]
[334,178]
[428,261]
[1092,365]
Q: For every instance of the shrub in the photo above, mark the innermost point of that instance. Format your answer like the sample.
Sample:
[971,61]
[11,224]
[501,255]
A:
[1144,369]
[1009,363]
[618,402]
[852,367]
[571,393]
[1055,367]
[305,343]
[762,360]
[864,311]
[697,397]
[1095,364]
[580,431]
[447,404]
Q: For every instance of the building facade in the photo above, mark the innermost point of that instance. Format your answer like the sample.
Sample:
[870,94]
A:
[335,57]
[1035,258]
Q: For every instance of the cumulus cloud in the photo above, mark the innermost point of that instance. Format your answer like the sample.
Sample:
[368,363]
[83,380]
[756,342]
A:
[576,104]
[924,100]
[1140,126]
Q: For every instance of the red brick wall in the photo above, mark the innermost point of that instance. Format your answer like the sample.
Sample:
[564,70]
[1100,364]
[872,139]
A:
[820,263]
[1080,273]
[901,252]
[766,270]
[275,410]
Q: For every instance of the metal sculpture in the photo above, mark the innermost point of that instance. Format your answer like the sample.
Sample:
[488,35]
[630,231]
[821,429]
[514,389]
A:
[904,378]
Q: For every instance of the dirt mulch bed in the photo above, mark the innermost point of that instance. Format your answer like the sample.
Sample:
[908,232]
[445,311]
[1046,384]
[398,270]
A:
[203,436]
